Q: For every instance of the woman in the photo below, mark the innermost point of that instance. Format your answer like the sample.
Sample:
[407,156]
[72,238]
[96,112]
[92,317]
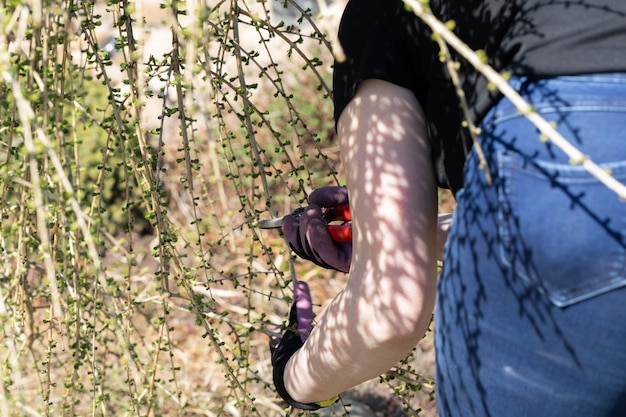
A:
[530,303]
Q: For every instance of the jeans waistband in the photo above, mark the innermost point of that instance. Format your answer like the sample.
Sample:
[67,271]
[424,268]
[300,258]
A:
[588,110]
[518,82]
[601,92]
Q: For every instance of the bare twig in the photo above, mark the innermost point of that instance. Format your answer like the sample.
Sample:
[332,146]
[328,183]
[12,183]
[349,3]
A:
[576,157]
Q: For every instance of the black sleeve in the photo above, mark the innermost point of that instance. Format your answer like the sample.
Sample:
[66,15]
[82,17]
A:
[382,40]
[369,36]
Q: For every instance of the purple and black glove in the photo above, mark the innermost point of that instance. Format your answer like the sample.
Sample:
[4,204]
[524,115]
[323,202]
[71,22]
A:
[300,326]
[311,237]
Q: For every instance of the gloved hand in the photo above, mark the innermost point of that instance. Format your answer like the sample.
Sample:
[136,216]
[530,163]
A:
[308,235]
[300,326]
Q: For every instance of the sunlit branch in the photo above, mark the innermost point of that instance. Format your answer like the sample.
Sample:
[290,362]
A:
[545,128]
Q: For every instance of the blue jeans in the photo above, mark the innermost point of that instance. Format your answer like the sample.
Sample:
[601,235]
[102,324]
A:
[531,308]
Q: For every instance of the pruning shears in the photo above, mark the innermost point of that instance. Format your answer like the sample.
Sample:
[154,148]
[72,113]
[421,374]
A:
[337,218]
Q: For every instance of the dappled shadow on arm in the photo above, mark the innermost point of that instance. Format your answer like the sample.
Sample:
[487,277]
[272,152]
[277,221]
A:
[387,303]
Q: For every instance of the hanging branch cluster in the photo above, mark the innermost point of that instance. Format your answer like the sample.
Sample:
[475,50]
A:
[547,130]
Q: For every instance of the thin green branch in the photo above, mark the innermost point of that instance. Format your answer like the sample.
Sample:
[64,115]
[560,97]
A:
[545,128]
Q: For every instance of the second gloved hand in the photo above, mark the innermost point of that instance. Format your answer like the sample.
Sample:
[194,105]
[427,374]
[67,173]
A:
[300,326]
[308,234]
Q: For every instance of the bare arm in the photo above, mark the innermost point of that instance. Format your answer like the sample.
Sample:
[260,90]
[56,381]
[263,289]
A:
[388,300]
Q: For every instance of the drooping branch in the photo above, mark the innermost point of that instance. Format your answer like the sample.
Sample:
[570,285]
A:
[545,128]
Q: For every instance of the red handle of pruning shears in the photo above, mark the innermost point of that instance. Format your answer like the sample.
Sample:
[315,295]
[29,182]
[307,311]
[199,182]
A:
[338,220]
[341,232]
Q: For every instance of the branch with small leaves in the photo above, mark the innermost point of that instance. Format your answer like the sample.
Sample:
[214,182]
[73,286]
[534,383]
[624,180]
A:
[547,130]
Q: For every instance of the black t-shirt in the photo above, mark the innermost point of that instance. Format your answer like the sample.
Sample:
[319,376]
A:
[533,38]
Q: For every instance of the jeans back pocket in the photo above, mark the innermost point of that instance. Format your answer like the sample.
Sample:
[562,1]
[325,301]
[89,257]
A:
[561,228]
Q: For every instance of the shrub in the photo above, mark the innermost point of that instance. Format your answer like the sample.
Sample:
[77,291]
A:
[133,172]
